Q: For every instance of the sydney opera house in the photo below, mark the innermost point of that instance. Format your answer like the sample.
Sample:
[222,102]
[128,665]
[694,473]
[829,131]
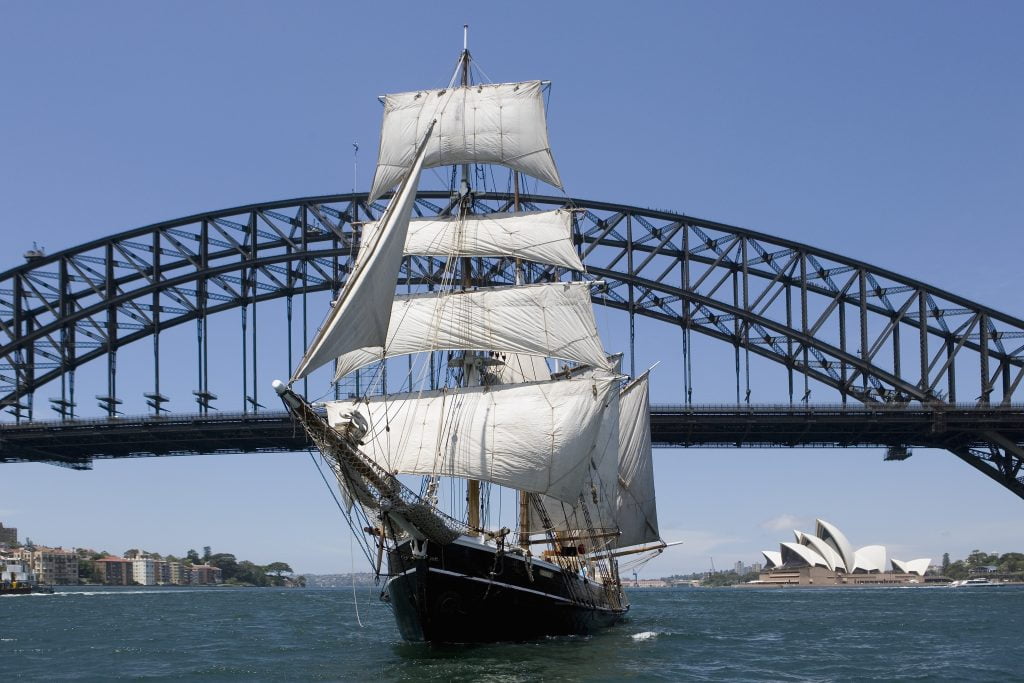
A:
[828,558]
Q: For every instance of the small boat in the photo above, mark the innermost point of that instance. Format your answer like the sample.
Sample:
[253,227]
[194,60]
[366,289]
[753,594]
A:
[974,583]
[16,579]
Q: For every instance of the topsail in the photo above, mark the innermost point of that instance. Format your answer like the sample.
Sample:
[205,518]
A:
[540,236]
[501,123]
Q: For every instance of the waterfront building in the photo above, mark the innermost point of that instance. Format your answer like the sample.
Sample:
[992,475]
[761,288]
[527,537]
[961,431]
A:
[114,571]
[828,557]
[204,575]
[52,566]
[161,572]
[8,535]
[144,571]
[178,574]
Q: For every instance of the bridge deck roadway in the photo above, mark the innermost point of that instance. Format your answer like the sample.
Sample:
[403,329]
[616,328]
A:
[76,443]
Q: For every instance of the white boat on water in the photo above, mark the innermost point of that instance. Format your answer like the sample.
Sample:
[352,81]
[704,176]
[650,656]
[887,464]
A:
[974,583]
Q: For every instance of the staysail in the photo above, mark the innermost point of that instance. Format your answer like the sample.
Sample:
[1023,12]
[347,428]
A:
[537,437]
[540,236]
[550,319]
[501,123]
[360,317]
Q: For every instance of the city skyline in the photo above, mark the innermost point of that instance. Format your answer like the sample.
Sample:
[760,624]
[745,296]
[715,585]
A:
[888,134]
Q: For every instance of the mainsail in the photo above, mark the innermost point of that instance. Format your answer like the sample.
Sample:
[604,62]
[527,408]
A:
[537,437]
[365,303]
[621,495]
[540,236]
[552,319]
[501,123]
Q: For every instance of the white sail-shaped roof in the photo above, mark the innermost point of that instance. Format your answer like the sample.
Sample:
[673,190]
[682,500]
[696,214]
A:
[537,437]
[636,512]
[837,540]
[796,555]
[834,559]
[501,123]
[552,319]
[540,236]
[870,558]
[361,315]
[772,558]
[918,566]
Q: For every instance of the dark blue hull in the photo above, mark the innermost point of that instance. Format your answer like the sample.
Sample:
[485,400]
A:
[465,592]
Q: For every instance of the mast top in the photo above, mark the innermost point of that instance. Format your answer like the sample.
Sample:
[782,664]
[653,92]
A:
[465,37]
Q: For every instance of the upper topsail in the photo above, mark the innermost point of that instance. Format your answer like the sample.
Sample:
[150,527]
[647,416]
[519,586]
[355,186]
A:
[362,313]
[502,123]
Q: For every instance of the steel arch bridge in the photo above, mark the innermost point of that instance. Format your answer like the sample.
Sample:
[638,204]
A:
[867,336]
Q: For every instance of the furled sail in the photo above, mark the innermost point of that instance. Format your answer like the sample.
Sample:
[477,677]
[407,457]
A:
[636,511]
[537,437]
[361,315]
[551,319]
[502,123]
[541,236]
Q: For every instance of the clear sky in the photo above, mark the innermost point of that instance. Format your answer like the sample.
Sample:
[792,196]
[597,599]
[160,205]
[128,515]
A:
[888,132]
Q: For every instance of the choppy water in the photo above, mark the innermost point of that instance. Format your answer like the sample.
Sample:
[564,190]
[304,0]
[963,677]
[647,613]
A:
[681,634]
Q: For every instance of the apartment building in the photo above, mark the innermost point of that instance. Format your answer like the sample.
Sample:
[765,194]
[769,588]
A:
[204,574]
[54,566]
[114,571]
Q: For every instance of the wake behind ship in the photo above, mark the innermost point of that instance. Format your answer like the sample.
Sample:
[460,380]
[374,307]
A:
[529,449]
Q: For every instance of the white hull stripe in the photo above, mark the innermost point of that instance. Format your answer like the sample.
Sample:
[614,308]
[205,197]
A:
[499,583]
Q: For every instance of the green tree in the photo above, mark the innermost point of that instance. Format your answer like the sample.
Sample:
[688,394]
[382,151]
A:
[248,573]
[980,559]
[945,563]
[192,556]
[226,562]
[957,571]
[206,553]
[278,568]
[1011,562]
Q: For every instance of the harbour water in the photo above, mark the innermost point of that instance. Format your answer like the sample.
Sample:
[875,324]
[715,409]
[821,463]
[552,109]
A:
[919,633]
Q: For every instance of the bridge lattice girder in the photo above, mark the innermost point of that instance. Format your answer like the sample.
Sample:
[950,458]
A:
[834,323]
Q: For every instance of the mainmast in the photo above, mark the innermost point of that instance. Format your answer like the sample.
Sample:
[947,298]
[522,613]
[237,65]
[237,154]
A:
[465,206]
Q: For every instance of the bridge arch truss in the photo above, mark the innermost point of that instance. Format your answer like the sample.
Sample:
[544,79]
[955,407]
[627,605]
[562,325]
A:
[837,325]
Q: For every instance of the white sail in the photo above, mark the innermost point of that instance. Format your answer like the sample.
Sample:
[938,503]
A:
[516,368]
[540,236]
[600,486]
[361,315]
[537,437]
[628,484]
[636,511]
[552,319]
[479,124]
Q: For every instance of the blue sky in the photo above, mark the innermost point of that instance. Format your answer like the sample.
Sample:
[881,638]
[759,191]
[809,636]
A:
[888,132]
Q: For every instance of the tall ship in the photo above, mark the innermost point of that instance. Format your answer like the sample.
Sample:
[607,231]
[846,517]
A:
[497,494]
